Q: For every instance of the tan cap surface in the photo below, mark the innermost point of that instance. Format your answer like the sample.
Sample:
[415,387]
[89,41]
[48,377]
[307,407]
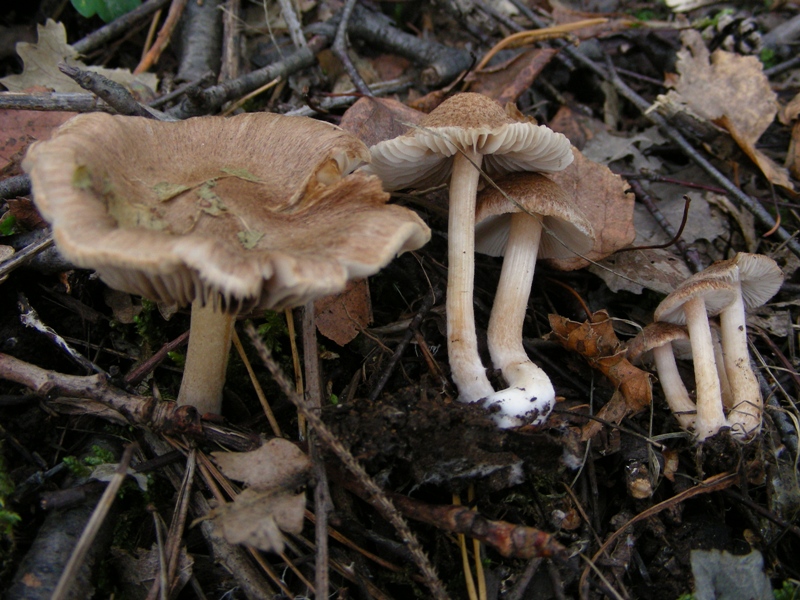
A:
[258,208]
[468,120]
[535,194]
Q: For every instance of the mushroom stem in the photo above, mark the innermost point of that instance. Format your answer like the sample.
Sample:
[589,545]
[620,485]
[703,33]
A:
[466,368]
[675,392]
[530,390]
[745,415]
[206,358]
[709,397]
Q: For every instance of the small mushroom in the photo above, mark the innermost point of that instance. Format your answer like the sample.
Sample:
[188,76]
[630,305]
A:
[541,222]
[462,134]
[756,278]
[691,303]
[657,340]
[252,212]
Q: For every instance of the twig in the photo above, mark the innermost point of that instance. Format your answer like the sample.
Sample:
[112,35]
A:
[164,35]
[146,412]
[714,483]
[760,213]
[427,303]
[141,370]
[231,41]
[294,27]
[210,99]
[201,40]
[56,101]
[30,318]
[378,497]
[441,64]
[93,526]
[18,185]
[262,398]
[113,93]
[117,27]
[24,256]
[690,255]
[340,50]
[322,499]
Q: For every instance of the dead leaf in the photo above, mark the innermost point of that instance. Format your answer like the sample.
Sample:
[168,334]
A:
[374,120]
[603,198]
[507,81]
[21,127]
[578,127]
[341,317]
[728,90]
[270,505]
[793,154]
[257,518]
[596,341]
[25,213]
[41,64]
[121,305]
[143,568]
[276,464]
[655,269]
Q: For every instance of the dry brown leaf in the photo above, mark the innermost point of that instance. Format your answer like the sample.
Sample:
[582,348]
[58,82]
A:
[793,154]
[507,81]
[729,90]
[603,198]
[41,64]
[596,341]
[374,120]
[655,269]
[21,127]
[342,316]
[276,464]
[578,127]
[142,569]
[25,213]
[258,518]
[270,505]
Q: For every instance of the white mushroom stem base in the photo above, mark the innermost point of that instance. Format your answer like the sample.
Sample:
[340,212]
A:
[745,415]
[710,416]
[466,368]
[675,392]
[530,396]
[206,358]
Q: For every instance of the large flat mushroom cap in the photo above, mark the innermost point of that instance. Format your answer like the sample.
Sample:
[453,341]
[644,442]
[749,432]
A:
[467,121]
[566,230]
[257,209]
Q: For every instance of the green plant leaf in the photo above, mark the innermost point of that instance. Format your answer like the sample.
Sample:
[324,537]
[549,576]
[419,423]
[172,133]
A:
[108,10]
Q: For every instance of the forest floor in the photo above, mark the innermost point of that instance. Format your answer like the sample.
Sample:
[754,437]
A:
[684,124]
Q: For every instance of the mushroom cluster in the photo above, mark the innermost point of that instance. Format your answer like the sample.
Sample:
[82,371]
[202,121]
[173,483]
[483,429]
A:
[229,214]
[465,135]
[724,378]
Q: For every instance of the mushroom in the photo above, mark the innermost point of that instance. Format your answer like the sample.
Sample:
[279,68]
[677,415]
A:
[691,303]
[463,133]
[656,341]
[252,212]
[756,278]
[540,220]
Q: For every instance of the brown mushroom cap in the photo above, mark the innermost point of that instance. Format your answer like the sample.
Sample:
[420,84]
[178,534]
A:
[256,208]
[534,194]
[653,336]
[717,295]
[420,157]
[759,276]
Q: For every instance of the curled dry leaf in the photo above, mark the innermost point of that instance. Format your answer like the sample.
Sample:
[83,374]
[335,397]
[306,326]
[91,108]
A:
[596,341]
[271,504]
[342,316]
[603,198]
[374,120]
[728,90]
[507,81]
